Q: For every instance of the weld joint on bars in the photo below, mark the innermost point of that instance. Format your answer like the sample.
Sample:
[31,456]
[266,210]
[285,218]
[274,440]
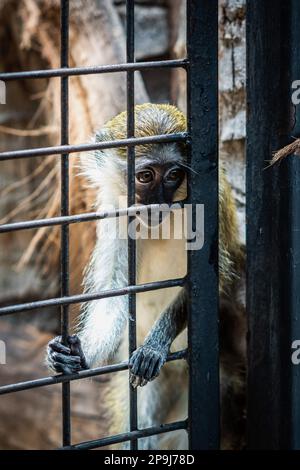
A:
[92,70]
[63,149]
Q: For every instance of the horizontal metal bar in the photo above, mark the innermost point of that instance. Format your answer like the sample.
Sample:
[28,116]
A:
[59,149]
[127,436]
[84,374]
[92,70]
[77,218]
[80,298]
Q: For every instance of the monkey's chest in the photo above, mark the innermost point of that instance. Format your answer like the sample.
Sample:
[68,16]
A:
[160,260]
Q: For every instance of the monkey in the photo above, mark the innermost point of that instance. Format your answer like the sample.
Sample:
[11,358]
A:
[161,171]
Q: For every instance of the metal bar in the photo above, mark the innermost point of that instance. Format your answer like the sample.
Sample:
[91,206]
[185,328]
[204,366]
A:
[84,374]
[79,298]
[75,71]
[64,261]
[263,229]
[203,334]
[133,419]
[78,218]
[290,241]
[128,436]
[273,225]
[59,149]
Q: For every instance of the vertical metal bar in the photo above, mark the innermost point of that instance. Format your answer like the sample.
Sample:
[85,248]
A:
[290,211]
[66,409]
[262,211]
[289,222]
[203,332]
[273,201]
[130,201]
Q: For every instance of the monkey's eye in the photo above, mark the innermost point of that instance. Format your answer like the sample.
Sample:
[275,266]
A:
[175,175]
[145,176]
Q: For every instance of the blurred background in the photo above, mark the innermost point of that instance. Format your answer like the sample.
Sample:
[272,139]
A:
[30,188]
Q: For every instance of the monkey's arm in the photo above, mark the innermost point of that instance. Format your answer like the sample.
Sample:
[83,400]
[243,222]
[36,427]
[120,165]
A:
[102,321]
[146,362]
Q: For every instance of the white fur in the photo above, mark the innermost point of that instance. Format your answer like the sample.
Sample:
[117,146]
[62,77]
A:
[103,321]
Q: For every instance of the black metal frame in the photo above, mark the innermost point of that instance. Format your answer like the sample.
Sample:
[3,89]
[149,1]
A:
[202,138]
[273,250]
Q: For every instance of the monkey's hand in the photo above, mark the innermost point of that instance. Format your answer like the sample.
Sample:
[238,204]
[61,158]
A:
[145,364]
[66,359]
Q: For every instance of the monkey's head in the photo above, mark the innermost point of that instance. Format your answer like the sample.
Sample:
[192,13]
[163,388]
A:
[160,169]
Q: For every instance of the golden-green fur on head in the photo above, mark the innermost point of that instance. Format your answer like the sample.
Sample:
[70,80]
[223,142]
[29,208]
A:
[150,119]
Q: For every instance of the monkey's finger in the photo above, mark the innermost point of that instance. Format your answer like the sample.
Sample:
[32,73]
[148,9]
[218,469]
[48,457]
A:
[76,349]
[142,382]
[135,381]
[145,365]
[53,366]
[132,381]
[152,367]
[135,362]
[64,369]
[74,343]
[57,367]
[57,341]
[65,359]
[139,381]
[132,358]
[58,347]
[157,369]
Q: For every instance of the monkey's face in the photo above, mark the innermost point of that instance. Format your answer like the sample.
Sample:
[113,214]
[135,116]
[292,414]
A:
[157,184]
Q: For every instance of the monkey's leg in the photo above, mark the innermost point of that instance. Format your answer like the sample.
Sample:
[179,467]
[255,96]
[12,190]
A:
[116,402]
[153,402]
[162,401]
[157,404]
[147,361]
[153,408]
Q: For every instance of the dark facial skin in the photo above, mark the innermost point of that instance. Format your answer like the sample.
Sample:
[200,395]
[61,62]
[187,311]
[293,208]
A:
[157,184]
